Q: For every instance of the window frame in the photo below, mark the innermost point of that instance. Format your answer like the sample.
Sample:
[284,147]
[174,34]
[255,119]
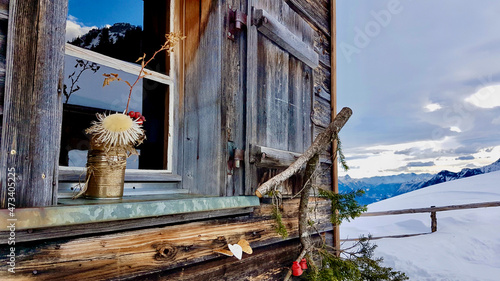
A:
[170,80]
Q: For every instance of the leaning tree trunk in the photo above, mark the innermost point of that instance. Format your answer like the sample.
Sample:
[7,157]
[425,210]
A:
[311,157]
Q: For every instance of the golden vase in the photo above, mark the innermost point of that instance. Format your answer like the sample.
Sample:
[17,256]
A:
[105,173]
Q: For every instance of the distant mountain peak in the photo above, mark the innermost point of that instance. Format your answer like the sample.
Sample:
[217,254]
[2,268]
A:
[382,187]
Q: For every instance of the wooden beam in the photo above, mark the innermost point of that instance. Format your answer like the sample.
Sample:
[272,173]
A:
[313,12]
[141,252]
[284,38]
[262,156]
[333,103]
[116,226]
[278,258]
[33,103]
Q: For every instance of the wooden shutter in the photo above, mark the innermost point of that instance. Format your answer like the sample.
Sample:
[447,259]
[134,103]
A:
[280,64]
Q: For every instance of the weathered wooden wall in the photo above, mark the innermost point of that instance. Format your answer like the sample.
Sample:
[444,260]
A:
[166,249]
[202,156]
[32,103]
[292,101]
[4,14]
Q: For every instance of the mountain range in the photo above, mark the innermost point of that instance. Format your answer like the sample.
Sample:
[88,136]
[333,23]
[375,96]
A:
[120,40]
[383,187]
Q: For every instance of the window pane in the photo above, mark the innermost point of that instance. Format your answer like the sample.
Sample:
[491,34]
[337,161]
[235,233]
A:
[114,29]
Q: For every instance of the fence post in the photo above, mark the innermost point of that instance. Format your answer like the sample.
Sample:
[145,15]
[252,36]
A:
[433,220]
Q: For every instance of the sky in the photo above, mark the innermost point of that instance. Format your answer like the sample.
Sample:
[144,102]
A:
[83,15]
[423,80]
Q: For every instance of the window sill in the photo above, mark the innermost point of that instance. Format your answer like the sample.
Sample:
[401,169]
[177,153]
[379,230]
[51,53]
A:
[83,211]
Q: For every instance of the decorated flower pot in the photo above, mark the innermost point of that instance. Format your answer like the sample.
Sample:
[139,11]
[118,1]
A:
[105,173]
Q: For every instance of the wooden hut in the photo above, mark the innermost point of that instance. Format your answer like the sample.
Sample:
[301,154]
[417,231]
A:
[241,97]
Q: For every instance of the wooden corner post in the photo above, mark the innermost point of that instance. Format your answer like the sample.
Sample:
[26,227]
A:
[33,105]
[333,102]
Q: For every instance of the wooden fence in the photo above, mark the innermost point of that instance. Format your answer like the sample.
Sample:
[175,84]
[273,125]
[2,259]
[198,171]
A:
[432,210]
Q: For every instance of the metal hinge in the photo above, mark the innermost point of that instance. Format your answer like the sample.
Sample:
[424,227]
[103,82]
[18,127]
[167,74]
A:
[235,21]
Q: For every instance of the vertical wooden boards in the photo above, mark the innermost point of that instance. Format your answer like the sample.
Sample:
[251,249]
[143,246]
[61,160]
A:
[251,179]
[233,93]
[3,46]
[272,95]
[4,15]
[279,90]
[33,107]
[203,164]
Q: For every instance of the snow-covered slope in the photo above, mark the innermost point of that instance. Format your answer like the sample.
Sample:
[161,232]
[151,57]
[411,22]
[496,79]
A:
[466,245]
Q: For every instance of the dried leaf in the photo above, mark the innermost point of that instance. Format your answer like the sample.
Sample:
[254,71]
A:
[110,78]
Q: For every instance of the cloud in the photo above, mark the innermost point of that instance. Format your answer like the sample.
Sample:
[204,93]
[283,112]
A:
[486,97]
[433,107]
[404,152]
[420,164]
[468,157]
[75,28]
[409,92]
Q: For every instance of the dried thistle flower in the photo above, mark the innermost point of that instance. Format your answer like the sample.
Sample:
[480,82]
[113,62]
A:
[120,130]
[116,130]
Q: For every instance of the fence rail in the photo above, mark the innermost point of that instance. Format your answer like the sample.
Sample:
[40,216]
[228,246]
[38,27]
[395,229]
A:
[432,210]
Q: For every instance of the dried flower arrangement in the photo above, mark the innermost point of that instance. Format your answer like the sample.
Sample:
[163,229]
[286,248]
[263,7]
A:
[115,136]
[124,130]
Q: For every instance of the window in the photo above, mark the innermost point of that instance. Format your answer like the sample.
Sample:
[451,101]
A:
[109,40]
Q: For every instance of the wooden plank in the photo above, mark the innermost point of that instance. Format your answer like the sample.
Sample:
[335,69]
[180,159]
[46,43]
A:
[135,253]
[323,48]
[333,103]
[314,11]
[179,77]
[124,66]
[297,89]
[116,226]
[322,82]
[204,166]
[321,115]
[3,47]
[278,33]
[33,102]
[278,258]
[251,180]
[233,101]
[275,94]
[433,209]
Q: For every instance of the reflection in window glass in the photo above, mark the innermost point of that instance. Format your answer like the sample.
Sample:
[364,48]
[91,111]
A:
[116,29]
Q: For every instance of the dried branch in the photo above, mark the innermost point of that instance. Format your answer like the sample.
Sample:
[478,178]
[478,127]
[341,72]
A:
[320,144]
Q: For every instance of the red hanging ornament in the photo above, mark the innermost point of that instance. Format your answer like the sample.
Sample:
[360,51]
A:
[296,269]
[303,264]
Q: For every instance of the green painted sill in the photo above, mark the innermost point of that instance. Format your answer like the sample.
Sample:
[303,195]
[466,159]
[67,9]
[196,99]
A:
[82,211]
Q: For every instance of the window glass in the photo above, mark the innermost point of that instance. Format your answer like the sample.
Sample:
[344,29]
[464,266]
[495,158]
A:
[114,29]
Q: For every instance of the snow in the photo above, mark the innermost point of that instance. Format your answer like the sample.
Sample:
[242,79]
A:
[466,245]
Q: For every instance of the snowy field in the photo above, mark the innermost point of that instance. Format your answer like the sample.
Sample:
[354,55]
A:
[466,246]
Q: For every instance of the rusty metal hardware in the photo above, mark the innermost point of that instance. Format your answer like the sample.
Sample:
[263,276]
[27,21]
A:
[239,155]
[235,21]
